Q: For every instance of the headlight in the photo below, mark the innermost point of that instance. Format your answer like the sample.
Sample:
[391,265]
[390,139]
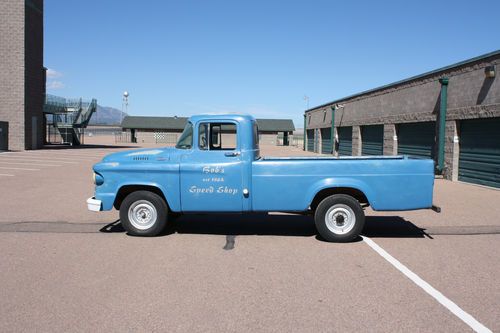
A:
[98,179]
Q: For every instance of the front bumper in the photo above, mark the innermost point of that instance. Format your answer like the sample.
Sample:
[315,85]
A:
[94,205]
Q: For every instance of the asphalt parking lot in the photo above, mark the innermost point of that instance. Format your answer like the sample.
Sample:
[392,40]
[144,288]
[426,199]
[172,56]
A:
[63,268]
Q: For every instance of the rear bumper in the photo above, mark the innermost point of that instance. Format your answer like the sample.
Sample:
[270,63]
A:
[435,208]
[94,204]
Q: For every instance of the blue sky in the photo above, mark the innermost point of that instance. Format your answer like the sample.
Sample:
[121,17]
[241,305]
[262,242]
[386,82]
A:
[258,57]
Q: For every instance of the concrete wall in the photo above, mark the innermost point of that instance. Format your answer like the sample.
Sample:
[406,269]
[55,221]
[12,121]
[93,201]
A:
[470,95]
[390,140]
[451,150]
[269,139]
[22,78]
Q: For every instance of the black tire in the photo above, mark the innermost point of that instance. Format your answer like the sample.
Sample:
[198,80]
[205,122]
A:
[341,210]
[144,201]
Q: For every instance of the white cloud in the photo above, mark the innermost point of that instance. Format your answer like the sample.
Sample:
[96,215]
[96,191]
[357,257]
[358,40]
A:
[52,73]
[55,85]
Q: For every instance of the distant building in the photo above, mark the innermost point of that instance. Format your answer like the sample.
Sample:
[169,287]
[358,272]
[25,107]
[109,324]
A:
[404,118]
[167,129]
[22,75]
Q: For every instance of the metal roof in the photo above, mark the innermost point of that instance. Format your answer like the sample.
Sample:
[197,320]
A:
[275,125]
[168,123]
[413,78]
[178,123]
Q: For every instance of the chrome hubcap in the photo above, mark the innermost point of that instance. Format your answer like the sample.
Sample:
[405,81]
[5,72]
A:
[340,219]
[142,214]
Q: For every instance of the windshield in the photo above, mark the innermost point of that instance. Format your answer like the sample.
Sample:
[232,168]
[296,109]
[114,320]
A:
[186,139]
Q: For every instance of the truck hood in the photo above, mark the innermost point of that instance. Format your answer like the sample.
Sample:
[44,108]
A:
[148,154]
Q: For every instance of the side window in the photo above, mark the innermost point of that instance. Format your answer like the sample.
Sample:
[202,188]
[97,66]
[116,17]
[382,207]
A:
[223,136]
[255,136]
[217,136]
[203,137]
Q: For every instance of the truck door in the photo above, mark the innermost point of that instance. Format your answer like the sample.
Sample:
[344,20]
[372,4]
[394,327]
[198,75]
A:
[211,177]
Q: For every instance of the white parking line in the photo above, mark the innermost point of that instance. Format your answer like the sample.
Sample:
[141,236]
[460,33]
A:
[51,157]
[75,156]
[445,301]
[26,169]
[29,159]
[34,152]
[32,164]
[5,175]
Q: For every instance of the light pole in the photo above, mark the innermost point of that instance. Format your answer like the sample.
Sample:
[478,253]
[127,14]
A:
[306,98]
[124,104]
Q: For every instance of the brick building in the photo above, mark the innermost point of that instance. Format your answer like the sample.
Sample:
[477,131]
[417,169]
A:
[404,118]
[22,75]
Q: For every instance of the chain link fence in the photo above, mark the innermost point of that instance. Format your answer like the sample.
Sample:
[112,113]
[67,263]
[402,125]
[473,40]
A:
[166,138]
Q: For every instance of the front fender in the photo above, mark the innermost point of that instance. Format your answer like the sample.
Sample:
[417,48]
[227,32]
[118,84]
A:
[163,176]
[145,184]
[108,198]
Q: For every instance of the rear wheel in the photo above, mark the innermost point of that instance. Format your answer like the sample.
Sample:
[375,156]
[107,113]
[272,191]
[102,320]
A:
[339,218]
[143,213]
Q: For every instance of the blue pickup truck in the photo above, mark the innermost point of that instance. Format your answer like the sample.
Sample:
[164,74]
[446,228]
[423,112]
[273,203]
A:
[216,167]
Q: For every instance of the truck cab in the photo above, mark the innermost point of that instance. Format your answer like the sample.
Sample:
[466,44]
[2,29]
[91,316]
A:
[215,169]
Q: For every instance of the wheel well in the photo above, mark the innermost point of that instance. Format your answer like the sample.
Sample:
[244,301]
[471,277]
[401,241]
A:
[355,193]
[127,189]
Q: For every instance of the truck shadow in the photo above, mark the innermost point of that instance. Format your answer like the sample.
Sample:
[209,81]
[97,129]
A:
[392,227]
[277,225]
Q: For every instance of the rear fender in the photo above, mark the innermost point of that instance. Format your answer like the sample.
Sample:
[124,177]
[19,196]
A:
[340,182]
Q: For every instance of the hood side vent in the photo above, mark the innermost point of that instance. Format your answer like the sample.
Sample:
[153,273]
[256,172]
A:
[140,158]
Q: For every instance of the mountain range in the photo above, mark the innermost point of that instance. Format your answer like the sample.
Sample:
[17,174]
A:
[106,115]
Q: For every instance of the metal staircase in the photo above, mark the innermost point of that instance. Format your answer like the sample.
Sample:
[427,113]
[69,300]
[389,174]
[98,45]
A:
[68,117]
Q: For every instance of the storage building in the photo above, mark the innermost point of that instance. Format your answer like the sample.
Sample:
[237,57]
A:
[451,114]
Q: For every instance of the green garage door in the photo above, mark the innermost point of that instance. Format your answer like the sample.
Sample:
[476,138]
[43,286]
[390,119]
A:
[417,139]
[480,151]
[316,140]
[326,141]
[345,141]
[372,140]
[310,140]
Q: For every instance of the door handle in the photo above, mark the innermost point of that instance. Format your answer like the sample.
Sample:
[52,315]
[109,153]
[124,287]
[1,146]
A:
[232,154]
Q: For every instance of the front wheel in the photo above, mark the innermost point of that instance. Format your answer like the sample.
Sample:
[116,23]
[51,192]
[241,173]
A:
[143,213]
[339,218]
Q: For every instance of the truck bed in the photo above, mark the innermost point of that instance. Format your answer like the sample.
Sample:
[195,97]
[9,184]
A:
[389,182]
[273,158]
